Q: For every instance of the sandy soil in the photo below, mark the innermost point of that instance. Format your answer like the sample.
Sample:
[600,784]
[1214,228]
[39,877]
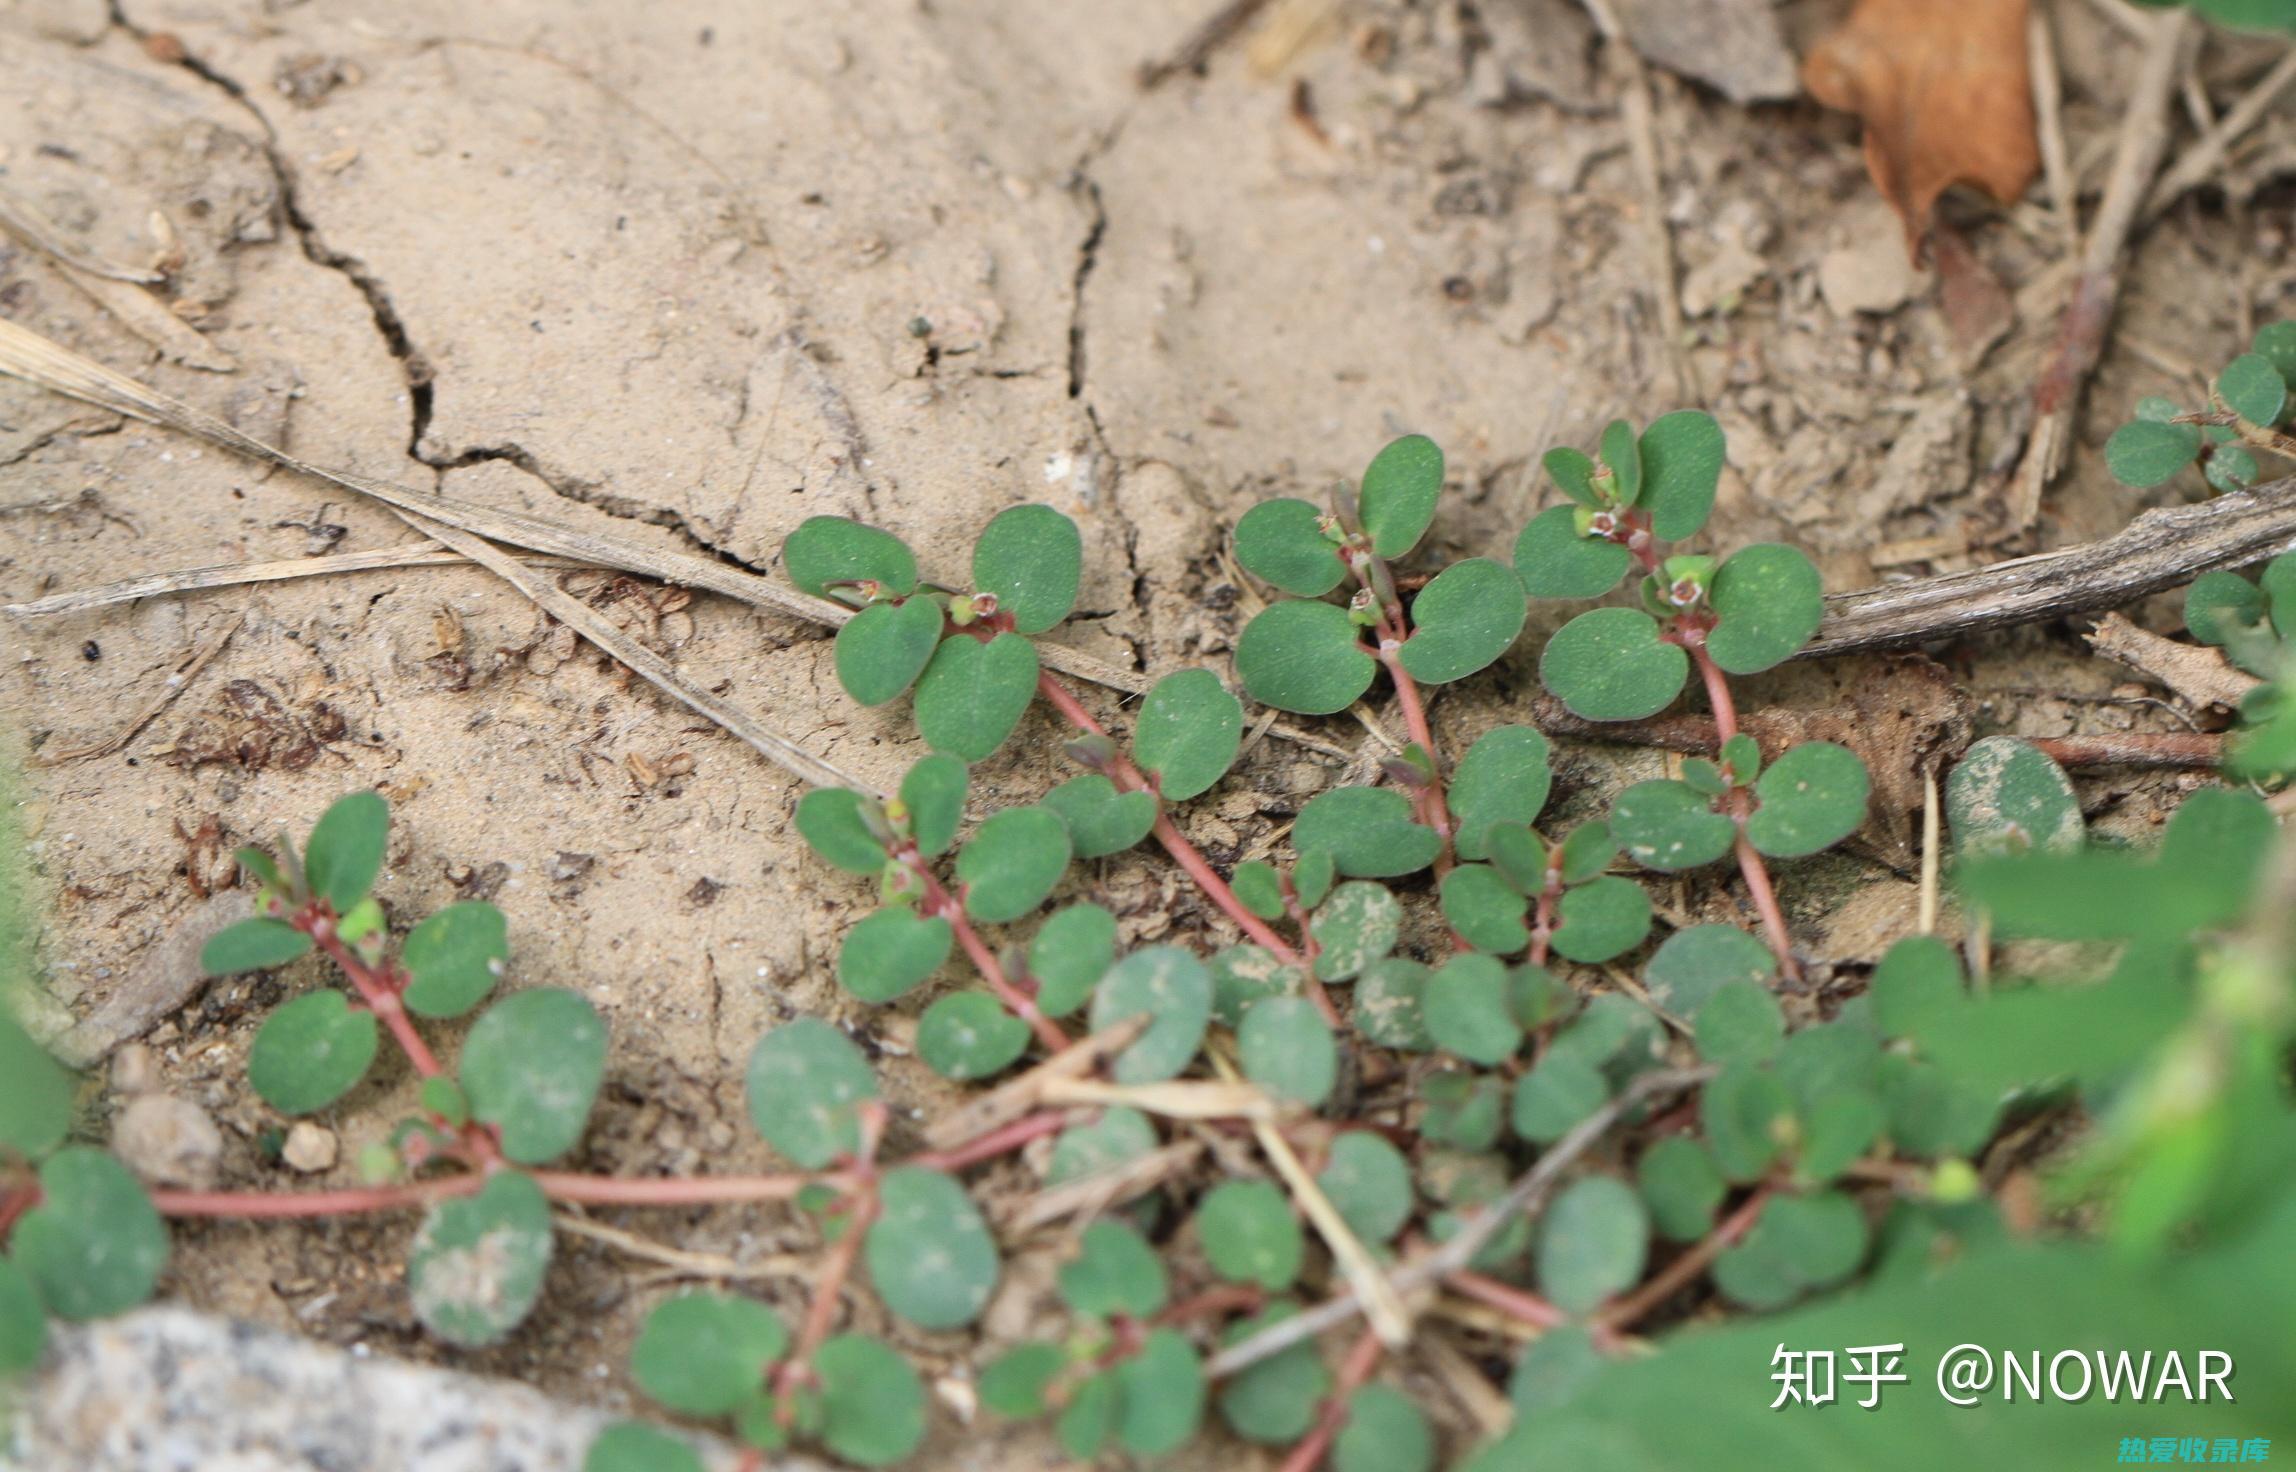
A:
[694,271]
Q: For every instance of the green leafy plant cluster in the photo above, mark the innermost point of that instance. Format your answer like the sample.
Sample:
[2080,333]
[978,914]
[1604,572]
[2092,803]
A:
[2247,411]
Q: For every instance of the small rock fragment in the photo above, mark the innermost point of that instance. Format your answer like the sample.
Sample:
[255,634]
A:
[309,1148]
[168,1141]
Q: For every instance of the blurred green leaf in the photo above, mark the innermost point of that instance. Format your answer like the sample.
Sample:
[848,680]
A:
[1307,658]
[827,549]
[1287,1049]
[94,1246]
[1399,491]
[881,650]
[531,1067]
[1282,542]
[253,945]
[346,849]
[311,1052]
[1369,832]
[477,1263]
[454,958]
[1031,557]
[1189,731]
[972,694]
[806,1082]
[1768,601]
[931,1256]
[1012,863]
[1608,665]
[1174,990]
[969,1035]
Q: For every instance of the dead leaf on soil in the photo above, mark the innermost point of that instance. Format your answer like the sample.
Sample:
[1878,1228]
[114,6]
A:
[1946,94]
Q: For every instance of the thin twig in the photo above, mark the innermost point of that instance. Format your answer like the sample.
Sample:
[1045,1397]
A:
[423,553]
[2049,122]
[2206,155]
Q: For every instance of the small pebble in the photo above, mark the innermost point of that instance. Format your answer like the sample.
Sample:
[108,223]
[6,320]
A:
[309,1148]
[168,1141]
[134,1071]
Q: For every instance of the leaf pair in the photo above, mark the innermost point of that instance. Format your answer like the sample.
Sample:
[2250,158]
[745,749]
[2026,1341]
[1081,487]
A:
[1810,799]
[1285,541]
[2151,449]
[1598,916]
[1148,1402]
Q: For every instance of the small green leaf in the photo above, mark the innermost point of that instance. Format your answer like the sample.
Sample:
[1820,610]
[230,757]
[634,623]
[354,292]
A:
[2230,468]
[1089,1418]
[969,1035]
[1554,561]
[2145,453]
[1399,492]
[1356,924]
[444,1097]
[1245,975]
[2252,388]
[1839,1129]
[1485,909]
[1114,1271]
[930,1254]
[1307,658]
[1369,1184]
[1768,601]
[253,945]
[1681,1187]
[346,849]
[1623,455]
[1312,874]
[1461,1110]
[1274,1402]
[2219,606]
[1388,1005]
[532,1066]
[872,1403]
[477,1263]
[1573,474]
[1100,819]
[1012,863]
[806,1083]
[1384,1432]
[1013,1385]
[1692,964]
[1031,557]
[2006,797]
[1682,455]
[830,820]
[35,1094]
[1609,665]
[1160,1395]
[1670,826]
[1798,1243]
[2276,341]
[973,694]
[311,1052]
[23,1321]
[1111,1142]
[702,1354]
[1250,1235]
[1916,984]
[1282,542]
[1555,1095]
[1593,1243]
[833,549]
[1467,1010]
[881,650]
[1174,990]
[1586,851]
[1740,1021]
[454,958]
[94,1246]
[1601,919]
[1368,831]
[1810,799]
[1503,778]
[1552,1371]
[933,790]
[1463,620]
[1260,888]
[1071,951]
[891,952]
[1742,1111]
[1189,731]
[1287,1049]
[631,1446]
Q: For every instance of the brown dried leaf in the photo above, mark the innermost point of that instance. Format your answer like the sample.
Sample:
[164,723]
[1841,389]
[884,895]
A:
[1946,95]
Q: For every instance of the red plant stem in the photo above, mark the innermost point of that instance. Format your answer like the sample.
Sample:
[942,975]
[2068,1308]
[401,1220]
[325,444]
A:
[378,992]
[1515,1303]
[821,1313]
[1212,1302]
[351,1202]
[939,902]
[1415,721]
[1362,1359]
[1623,1313]
[1543,924]
[1000,1141]
[1309,949]
[1184,853]
[1750,863]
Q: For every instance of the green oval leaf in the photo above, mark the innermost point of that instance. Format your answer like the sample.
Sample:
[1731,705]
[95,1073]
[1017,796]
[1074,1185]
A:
[1554,561]
[1682,455]
[1601,919]
[1917,984]
[253,945]
[1160,1393]
[1245,975]
[973,694]
[1013,1385]
[1111,1142]
[930,1254]
[1463,620]
[2145,453]
[1692,964]
[1368,1183]
[1768,601]
[1282,542]
[2252,388]
[1593,1243]
[35,1094]
[702,1354]
[1250,1235]
[1743,1111]
[1287,1049]
[1307,658]
[1462,1110]
[830,820]
[1031,557]
[454,958]
[881,650]
[1100,819]
[346,849]
[1071,951]
[1503,778]
[2006,796]
[1188,733]
[1810,799]
[872,1403]
[1485,909]
[806,1082]
[1680,1186]
[1369,832]
[23,1321]
[630,1446]
[531,1067]
[1274,1402]
[1740,1021]
[1356,924]
[933,790]
[1383,1432]
[311,1052]
[1608,665]
[834,549]
[1399,492]
[1114,1271]
[1174,990]
[476,1266]
[969,1035]
[1555,1095]
[93,1246]
[1670,826]
[891,952]
[1012,863]
[1468,1012]
[1389,1009]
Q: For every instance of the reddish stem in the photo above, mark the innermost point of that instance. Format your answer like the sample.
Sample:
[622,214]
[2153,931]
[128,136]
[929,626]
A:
[1515,1303]
[1430,798]
[1212,1302]
[1362,1359]
[1184,853]
[1000,1141]
[821,1314]
[939,902]
[1750,864]
[376,990]
[352,1202]
[1623,1313]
